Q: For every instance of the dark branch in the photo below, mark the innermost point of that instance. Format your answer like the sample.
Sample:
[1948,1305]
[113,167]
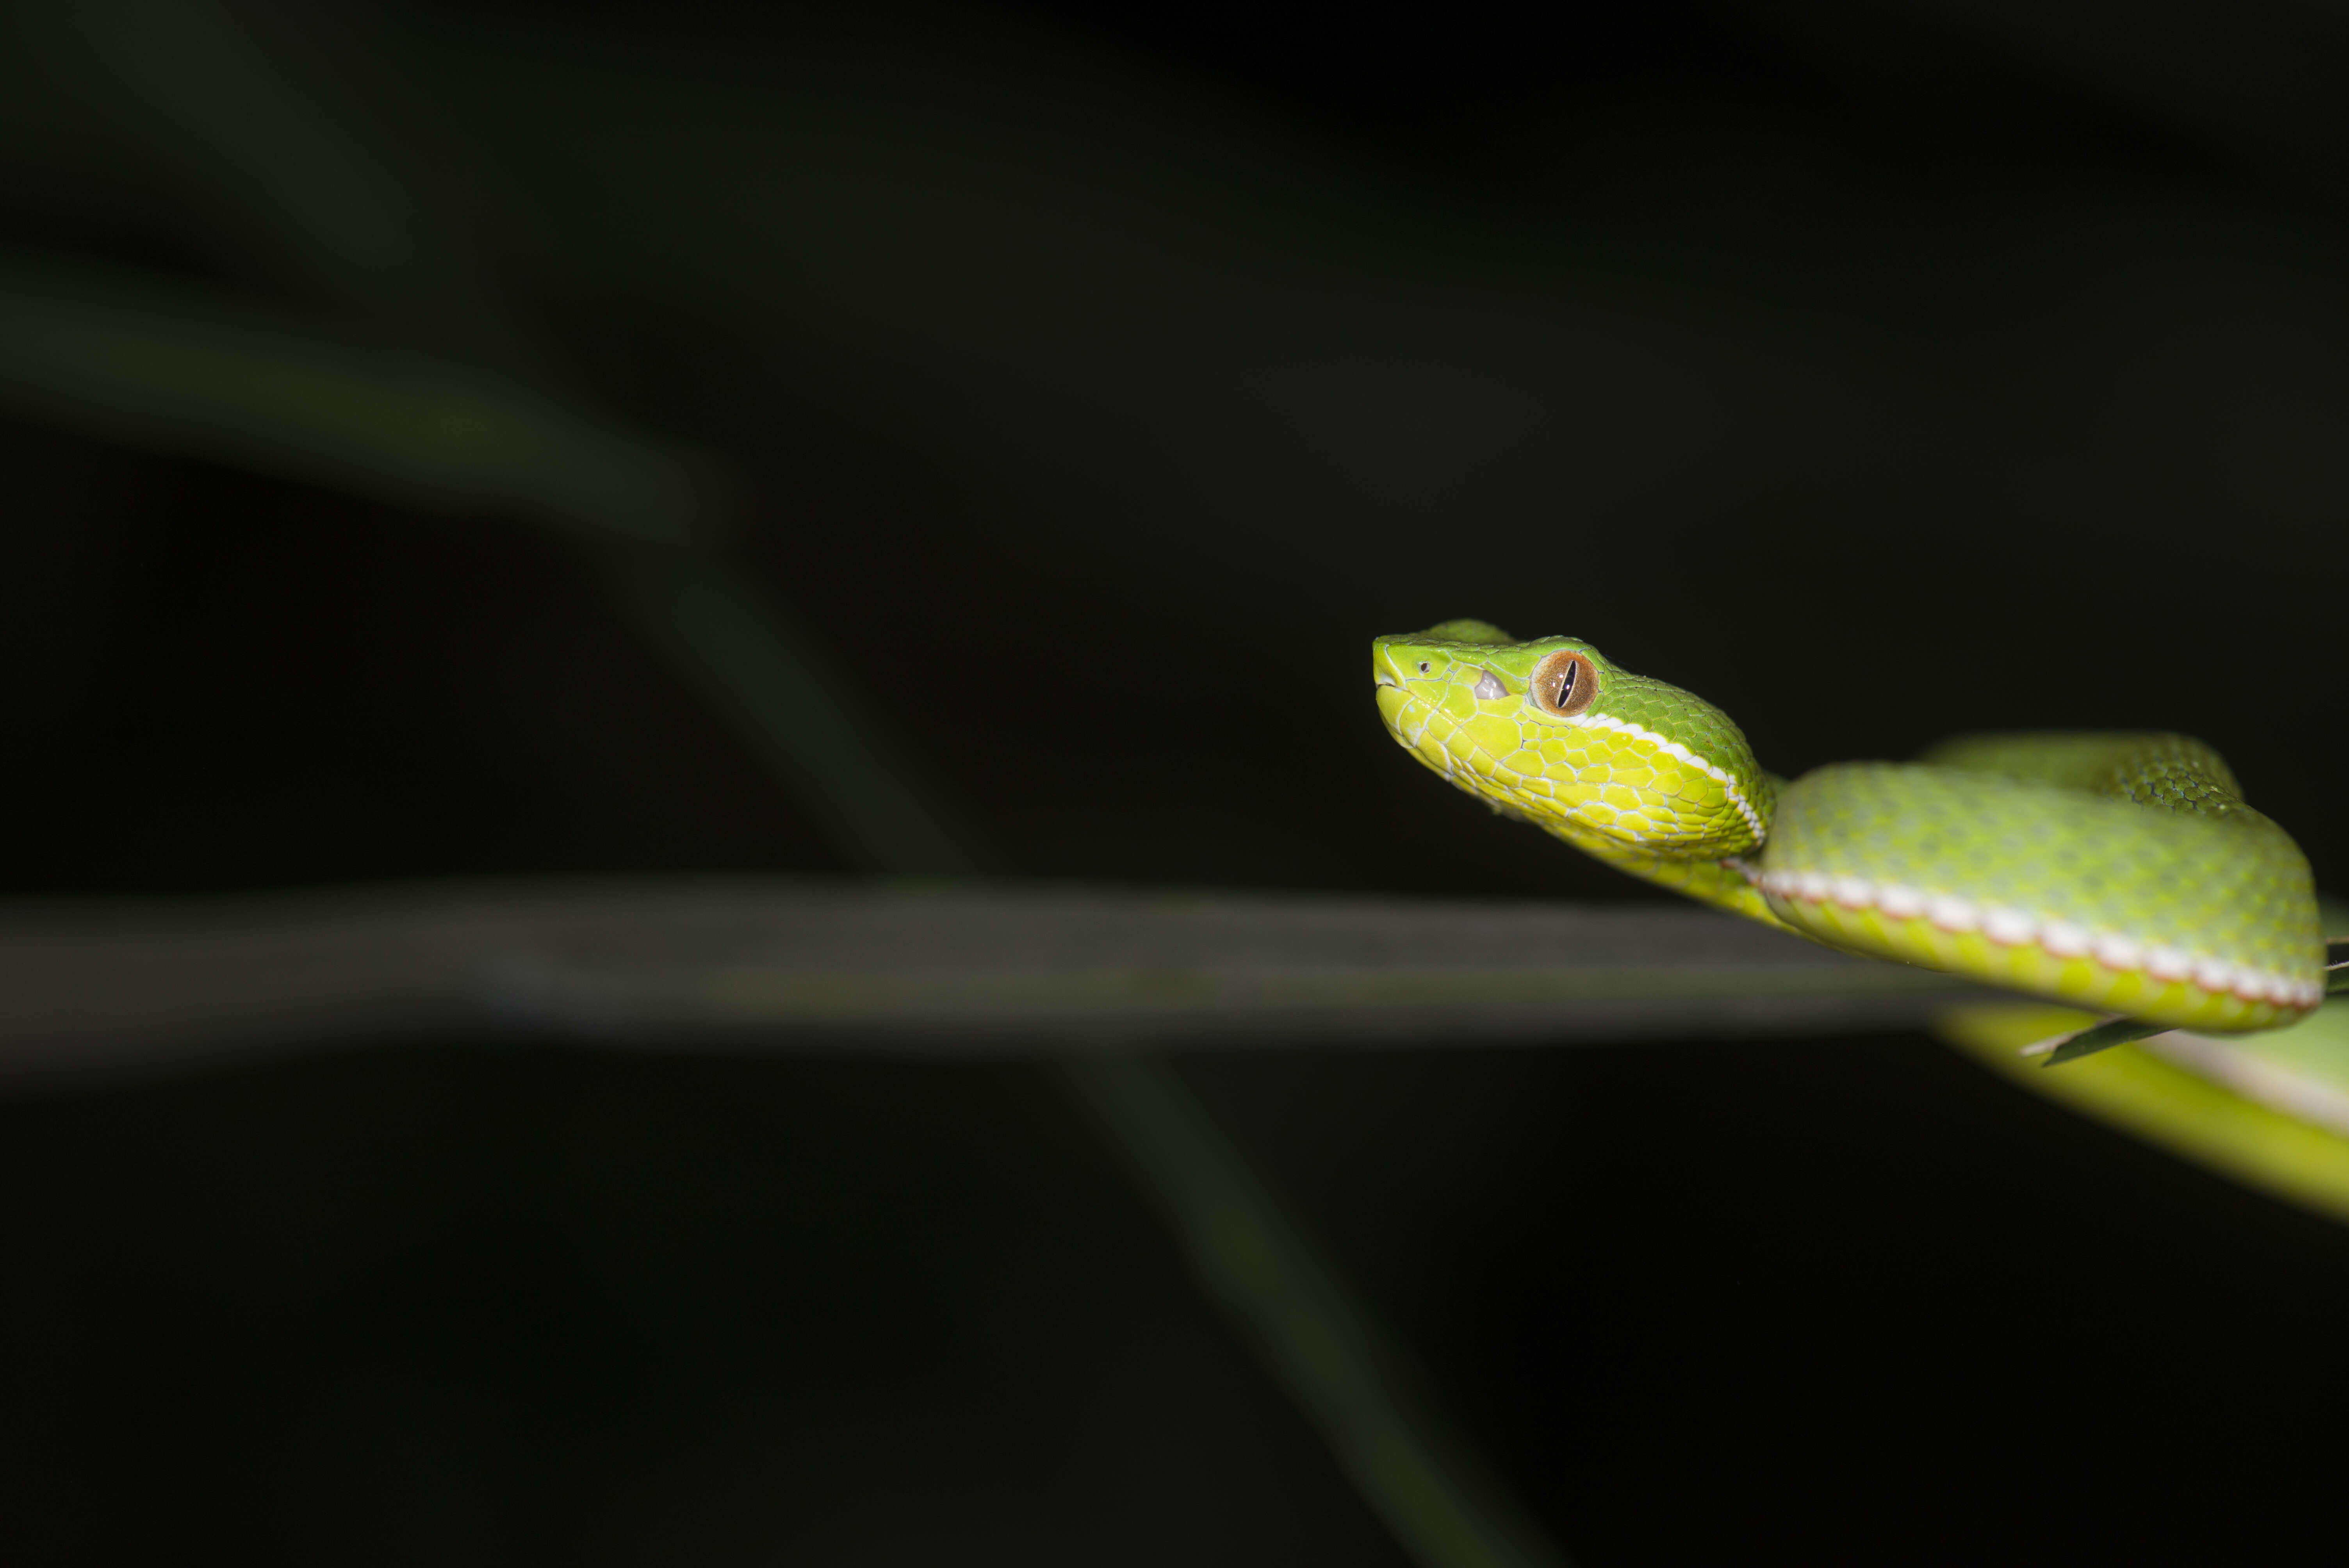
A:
[911,970]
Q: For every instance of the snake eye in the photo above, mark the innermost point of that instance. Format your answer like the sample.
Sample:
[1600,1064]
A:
[1564,683]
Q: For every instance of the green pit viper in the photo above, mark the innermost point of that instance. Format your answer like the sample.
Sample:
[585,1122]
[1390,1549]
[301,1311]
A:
[2120,873]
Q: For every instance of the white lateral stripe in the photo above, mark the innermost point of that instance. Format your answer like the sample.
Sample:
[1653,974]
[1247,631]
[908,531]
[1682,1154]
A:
[2057,938]
[1672,747]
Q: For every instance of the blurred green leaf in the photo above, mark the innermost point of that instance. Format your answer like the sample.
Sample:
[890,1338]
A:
[1335,1365]
[216,101]
[182,369]
[741,649]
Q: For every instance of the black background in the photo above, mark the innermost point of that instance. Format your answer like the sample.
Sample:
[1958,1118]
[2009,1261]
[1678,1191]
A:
[1106,375]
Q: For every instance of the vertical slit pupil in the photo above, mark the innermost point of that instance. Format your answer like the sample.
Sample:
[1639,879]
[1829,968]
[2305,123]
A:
[1565,678]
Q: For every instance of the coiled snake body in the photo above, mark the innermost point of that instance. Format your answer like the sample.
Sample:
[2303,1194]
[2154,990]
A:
[2121,873]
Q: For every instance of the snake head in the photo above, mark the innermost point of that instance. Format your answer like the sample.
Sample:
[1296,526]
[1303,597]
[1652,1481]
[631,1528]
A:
[1554,731]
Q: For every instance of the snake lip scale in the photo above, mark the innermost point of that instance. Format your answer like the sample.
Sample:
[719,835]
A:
[1673,749]
[2122,873]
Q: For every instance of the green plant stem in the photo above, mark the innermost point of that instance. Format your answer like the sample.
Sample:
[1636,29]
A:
[1303,1324]
[745,655]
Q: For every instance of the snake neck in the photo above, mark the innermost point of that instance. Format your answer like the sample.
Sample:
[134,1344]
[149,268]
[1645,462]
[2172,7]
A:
[1728,884]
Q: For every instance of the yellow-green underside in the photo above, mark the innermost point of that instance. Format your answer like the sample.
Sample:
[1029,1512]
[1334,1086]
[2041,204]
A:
[2137,1091]
[2028,967]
